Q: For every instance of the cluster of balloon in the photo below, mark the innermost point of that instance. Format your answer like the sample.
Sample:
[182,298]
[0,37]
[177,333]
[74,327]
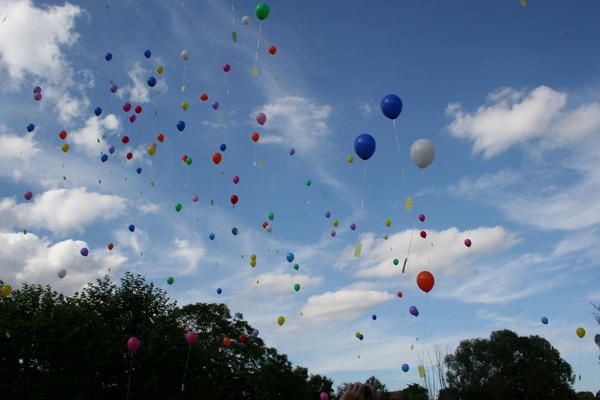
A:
[37,93]
[413,311]
[280,320]
[364,146]
[425,281]
[359,335]
[422,153]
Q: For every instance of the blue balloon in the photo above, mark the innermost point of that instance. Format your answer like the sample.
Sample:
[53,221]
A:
[391,106]
[147,53]
[180,126]
[223,147]
[545,320]
[361,337]
[364,146]
[98,111]
[290,257]
[405,367]
[374,317]
[104,158]
[211,236]
[30,127]
[138,170]
[108,56]
[151,81]
[131,227]
[235,231]
[111,149]
[219,291]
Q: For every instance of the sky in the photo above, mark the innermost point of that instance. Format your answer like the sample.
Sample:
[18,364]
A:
[510,97]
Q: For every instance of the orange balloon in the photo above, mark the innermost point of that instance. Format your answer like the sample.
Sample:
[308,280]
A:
[226,341]
[216,157]
[425,281]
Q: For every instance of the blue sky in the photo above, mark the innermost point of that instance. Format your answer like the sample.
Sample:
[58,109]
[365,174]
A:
[509,96]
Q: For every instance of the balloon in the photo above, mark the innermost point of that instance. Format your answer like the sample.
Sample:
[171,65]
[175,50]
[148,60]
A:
[255,137]
[364,146]
[350,159]
[408,203]
[234,199]
[84,251]
[195,198]
[289,257]
[405,367]
[151,81]
[108,56]
[272,50]
[133,344]
[185,105]
[255,333]
[65,147]
[185,55]
[125,139]
[160,137]
[425,281]
[129,156]
[131,228]
[357,335]
[281,320]
[111,149]
[235,231]
[373,317]
[468,242]
[189,161]
[413,311]
[203,97]
[98,111]
[215,105]
[114,88]
[296,267]
[332,233]
[191,337]
[219,290]
[422,217]
[396,261]
[147,53]
[180,126]
[211,236]
[6,290]
[262,11]
[132,118]
[308,182]
[391,106]
[110,246]
[236,179]
[30,127]
[580,332]
[353,226]
[178,207]
[399,294]
[127,107]
[62,273]
[242,339]
[223,147]
[327,214]
[216,158]
[544,320]
[104,157]
[323,396]
[423,234]
[422,153]
[226,342]
[335,223]
[226,68]
[28,195]
[297,287]
[170,280]
[151,150]
[160,69]
[292,151]
[261,118]
[388,223]
[38,96]
[62,135]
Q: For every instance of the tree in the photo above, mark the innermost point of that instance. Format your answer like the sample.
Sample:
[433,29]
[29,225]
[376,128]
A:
[448,394]
[377,384]
[414,392]
[585,396]
[597,315]
[57,347]
[507,366]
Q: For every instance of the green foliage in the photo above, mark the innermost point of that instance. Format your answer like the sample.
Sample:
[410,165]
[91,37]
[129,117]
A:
[376,384]
[414,392]
[585,396]
[508,366]
[56,347]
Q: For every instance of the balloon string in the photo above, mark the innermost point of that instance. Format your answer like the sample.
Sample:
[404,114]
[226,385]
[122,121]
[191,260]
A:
[183,79]
[258,43]
[409,247]
[396,135]
[227,78]
[129,379]
[187,361]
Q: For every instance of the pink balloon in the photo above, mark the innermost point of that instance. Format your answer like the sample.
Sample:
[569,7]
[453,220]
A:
[236,179]
[195,198]
[468,242]
[191,337]
[261,118]
[133,344]
[324,396]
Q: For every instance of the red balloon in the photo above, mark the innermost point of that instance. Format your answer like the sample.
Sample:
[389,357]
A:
[132,118]
[399,294]
[110,246]
[242,338]
[62,135]
[423,234]
[217,157]
[138,109]
[226,67]
[272,50]
[129,156]
[425,281]
[126,107]
[234,199]
[265,225]
[125,139]
[422,217]
[160,137]
[468,242]
[184,158]
[203,97]
[226,341]
[255,137]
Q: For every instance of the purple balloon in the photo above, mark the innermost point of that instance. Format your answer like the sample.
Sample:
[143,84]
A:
[255,333]
[84,251]
[215,105]
[111,149]
[236,179]
[195,198]
[28,196]
[133,344]
[332,233]
[37,89]
[292,151]
[324,396]
[113,88]
[413,311]
[191,337]
[327,214]
[261,118]
[353,226]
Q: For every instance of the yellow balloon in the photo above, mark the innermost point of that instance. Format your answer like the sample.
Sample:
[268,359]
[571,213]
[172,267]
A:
[253,256]
[6,290]
[335,223]
[408,203]
[185,105]
[357,334]
[253,263]
[281,320]
[350,159]
[160,69]
[151,150]
[255,70]
[388,222]
[65,147]
[580,332]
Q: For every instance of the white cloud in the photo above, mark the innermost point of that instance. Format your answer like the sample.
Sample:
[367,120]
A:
[285,282]
[90,138]
[367,108]
[442,251]
[148,208]
[298,121]
[514,117]
[473,187]
[17,150]
[138,90]
[61,210]
[31,44]
[29,258]
[190,254]
[343,304]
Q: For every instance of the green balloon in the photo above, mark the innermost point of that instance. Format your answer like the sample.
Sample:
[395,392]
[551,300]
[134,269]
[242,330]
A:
[297,287]
[271,216]
[170,280]
[308,182]
[296,267]
[189,161]
[396,261]
[262,11]
[178,207]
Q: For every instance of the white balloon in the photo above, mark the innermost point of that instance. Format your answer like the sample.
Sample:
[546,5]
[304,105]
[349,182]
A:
[62,273]
[422,153]
[246,20]
[185,55]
